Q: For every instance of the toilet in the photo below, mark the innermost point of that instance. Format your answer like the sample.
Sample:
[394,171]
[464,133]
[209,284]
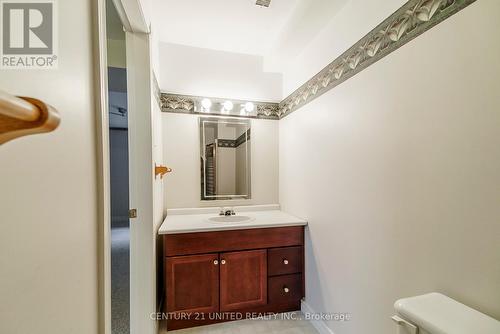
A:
[435,313]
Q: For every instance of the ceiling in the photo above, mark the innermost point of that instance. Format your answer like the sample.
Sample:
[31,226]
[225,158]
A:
[227,25]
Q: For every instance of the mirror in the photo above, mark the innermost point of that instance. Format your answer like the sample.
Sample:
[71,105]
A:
[225,158]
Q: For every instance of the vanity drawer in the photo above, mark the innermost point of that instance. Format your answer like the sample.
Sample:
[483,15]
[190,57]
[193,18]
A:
[285,289]
[282,261]
[232,240]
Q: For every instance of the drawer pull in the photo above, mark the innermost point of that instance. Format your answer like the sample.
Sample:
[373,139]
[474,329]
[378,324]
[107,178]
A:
[286,289]
[216,262]
[285,261]
[223,262]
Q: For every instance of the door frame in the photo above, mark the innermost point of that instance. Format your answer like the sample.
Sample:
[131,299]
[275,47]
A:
[103,167]
[133,20]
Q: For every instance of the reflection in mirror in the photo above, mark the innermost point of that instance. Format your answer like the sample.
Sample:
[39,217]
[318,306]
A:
[225,158]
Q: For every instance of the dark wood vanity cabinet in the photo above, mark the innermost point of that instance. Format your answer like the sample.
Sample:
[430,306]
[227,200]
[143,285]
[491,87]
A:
[243,280]
[193,283]
[230,275]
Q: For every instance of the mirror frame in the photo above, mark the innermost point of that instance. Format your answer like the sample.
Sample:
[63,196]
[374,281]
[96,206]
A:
[224,120]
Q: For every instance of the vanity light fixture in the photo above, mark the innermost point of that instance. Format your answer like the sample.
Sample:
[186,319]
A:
[228,105]
[218,106]
[205,105]
[249,107]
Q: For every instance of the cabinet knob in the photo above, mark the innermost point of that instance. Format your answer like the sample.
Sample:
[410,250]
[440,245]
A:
[286,289]
[285,261]
[216,262]
[223,262]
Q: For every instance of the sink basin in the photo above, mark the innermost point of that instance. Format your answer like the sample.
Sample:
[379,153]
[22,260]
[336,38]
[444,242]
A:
[231,219]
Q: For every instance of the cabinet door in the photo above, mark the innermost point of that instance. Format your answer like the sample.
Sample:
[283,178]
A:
[192,283]
[243,280]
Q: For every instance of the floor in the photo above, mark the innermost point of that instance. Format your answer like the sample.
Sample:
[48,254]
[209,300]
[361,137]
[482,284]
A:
[290,323]
[120,282]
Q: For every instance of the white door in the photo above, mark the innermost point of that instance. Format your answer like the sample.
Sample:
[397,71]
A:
[141,178]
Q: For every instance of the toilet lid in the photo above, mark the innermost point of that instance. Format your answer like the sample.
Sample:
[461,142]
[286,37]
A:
[439,314]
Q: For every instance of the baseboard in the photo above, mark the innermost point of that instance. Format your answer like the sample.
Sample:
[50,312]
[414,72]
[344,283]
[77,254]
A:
[320,325]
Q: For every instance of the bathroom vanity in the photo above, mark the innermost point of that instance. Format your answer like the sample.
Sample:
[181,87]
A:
[220,270]
[223,265]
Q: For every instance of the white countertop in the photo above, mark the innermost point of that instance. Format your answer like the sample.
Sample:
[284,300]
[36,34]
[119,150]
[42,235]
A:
[196,220]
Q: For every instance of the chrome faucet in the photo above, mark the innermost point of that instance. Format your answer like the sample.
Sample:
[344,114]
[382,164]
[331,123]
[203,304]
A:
[226,212]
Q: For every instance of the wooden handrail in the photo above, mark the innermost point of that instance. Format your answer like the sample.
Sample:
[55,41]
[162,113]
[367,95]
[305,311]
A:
[22,116]
[15,107]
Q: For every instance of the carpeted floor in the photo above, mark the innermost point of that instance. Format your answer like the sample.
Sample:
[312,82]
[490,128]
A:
[120,280]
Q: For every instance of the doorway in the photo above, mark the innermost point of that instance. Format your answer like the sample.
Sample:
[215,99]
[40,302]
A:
[128,280]
[119,172]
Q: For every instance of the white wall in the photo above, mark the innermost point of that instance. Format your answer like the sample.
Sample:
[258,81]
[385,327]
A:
[147,10]
[116,53]
[115,37]
[399,174]
[181,152]
[308,19]
[242,166]
[155,52]
[347,25]
[226,171]
[204,72]
[48,195]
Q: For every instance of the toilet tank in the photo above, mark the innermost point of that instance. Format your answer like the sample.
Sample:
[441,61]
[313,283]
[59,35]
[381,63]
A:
[435,313]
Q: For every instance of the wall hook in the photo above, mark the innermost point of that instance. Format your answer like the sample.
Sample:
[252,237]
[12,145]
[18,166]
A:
[162,170]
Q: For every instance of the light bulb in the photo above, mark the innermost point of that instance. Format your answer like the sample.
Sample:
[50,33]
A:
[228,105]
[249,106]
[206,104]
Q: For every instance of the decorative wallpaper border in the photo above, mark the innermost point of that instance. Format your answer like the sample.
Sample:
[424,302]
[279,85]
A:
[189,104]
[411,20]
[243,138]
[230,143]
